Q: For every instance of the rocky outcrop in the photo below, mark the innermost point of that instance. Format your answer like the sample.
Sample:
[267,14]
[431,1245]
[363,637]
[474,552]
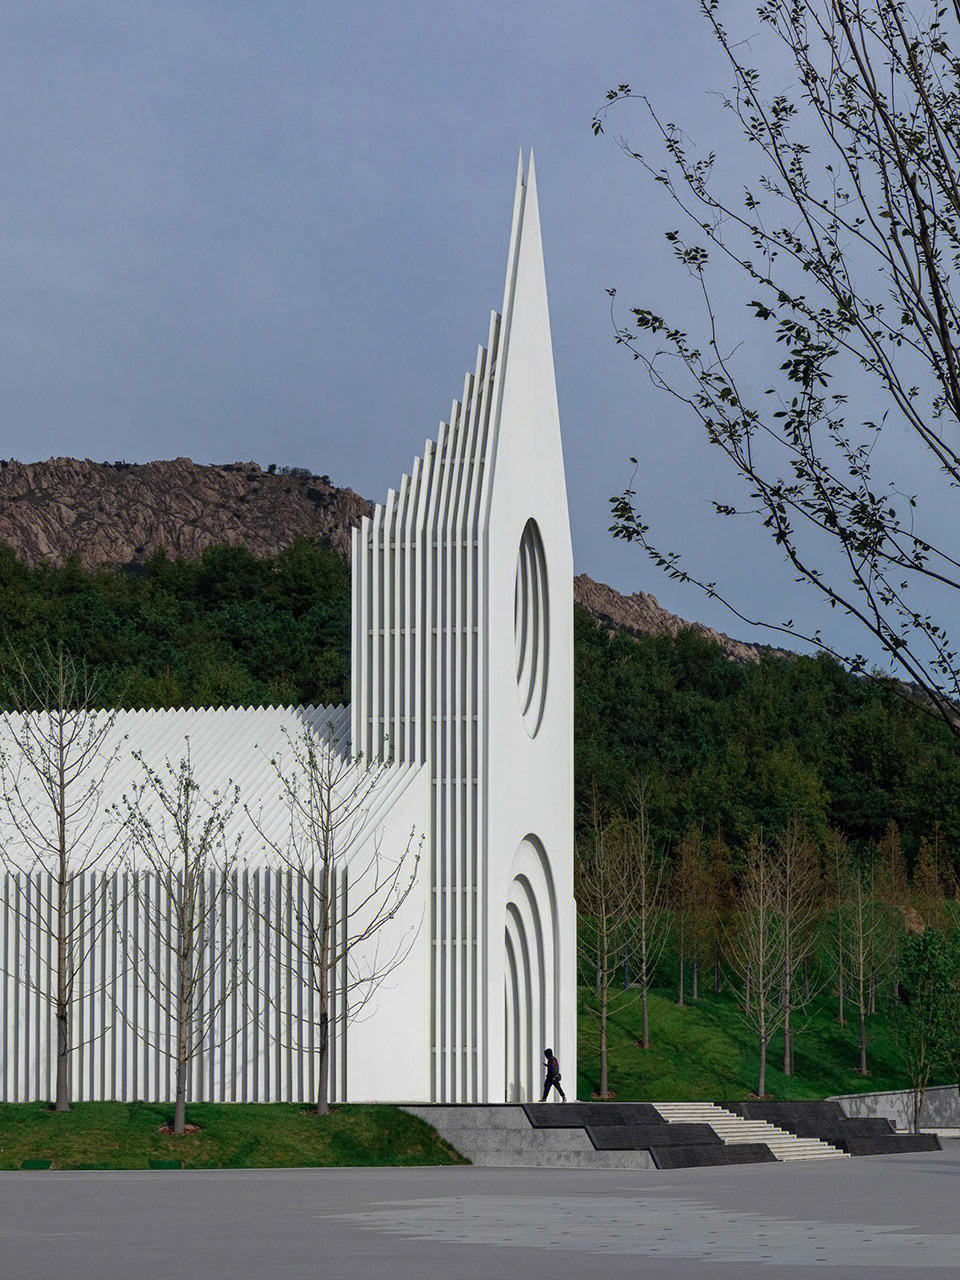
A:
[120,514]
[639,614]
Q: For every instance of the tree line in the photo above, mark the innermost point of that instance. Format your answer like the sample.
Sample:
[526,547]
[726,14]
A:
[788,920]
[720,744]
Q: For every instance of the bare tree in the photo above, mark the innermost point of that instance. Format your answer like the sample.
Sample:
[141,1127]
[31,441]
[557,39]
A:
[798,870]
[755,948]
[719,865]
[608,887]
[55,754]
[336,941]
[861,932]
[928,896]
[689,900]
[945,861]
[176,837]
[893,896]
[650,930]
[703,918]
[840,220]
[838,853]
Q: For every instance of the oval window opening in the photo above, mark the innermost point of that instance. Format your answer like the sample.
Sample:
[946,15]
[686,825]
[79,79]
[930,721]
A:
[531,631]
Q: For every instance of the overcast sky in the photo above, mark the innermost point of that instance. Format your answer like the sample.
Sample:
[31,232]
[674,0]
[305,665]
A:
[274,230]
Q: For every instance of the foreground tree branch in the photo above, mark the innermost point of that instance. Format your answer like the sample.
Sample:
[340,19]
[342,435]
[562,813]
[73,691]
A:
[844,226]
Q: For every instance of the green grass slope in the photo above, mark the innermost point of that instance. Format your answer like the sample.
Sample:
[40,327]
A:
[122,1135]
[705,1051]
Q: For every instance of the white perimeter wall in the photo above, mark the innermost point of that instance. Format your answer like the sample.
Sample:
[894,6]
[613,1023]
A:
[259,1010]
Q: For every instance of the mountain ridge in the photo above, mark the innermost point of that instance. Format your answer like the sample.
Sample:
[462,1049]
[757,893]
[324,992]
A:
[120,514]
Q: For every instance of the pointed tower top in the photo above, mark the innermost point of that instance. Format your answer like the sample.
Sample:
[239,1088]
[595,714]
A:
[525,229]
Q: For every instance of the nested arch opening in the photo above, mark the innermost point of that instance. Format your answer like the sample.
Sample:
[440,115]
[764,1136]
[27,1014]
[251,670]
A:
[531,971]
[531,617]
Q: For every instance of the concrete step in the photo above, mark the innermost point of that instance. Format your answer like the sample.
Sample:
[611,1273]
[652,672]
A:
[732,1129]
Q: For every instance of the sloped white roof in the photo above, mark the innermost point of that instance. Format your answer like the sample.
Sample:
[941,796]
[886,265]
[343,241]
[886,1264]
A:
[229,747]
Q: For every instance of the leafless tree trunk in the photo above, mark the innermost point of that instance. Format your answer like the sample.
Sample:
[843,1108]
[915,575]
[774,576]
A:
[689,891]
[55,753]
[860,907]
[608,886]
[755,948]
[928,896]
[329,797]
[799,880]
[893,895]
[177,839]
[651,907]
[837,858]
[720,886]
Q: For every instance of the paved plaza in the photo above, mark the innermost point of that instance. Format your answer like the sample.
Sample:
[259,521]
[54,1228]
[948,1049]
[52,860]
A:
[884,1216]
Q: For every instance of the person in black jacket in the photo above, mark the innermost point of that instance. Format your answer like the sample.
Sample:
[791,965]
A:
[553,1076]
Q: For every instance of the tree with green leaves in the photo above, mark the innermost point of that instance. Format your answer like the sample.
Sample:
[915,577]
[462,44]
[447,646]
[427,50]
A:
[924,1014]
[951,1047]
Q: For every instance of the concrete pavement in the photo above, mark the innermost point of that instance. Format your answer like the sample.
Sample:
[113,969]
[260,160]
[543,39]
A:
[874,1218]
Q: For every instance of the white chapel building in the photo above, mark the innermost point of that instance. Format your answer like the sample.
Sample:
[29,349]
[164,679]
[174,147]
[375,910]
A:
[462,686]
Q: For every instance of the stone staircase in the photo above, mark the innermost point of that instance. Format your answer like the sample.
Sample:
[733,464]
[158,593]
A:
[661,1135]
[733,1129]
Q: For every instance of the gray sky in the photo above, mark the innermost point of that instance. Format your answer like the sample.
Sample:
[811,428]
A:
[275,231]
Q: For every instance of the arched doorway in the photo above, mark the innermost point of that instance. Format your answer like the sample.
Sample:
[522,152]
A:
[531,977]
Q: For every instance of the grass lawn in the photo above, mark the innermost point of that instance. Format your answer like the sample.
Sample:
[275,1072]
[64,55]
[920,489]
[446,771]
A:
[125,1135]
[705,1051]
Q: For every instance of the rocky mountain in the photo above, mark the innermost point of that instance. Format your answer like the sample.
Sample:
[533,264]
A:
[121,513]
[639,614]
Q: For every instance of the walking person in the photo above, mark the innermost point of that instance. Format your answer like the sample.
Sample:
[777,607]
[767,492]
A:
[553,1076]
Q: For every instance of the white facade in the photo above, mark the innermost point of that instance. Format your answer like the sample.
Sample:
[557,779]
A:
[462,677]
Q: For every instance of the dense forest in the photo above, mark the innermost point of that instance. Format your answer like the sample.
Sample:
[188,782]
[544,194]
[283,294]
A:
[738,747]
[730,747]
[227,629]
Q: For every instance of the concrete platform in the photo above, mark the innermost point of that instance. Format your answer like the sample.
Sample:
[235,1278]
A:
[502,1137]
